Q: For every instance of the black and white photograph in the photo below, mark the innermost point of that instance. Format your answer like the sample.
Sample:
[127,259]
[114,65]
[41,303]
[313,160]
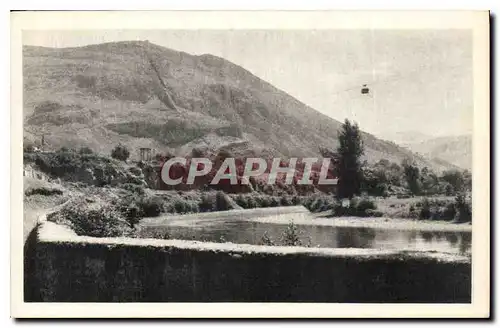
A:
[333,164]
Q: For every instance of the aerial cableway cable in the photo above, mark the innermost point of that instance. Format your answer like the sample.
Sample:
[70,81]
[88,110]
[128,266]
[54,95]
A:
[366,88]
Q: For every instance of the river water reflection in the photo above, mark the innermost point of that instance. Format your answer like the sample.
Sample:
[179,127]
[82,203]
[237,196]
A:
[248,232]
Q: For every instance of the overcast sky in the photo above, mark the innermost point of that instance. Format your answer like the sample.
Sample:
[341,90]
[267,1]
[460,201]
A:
[419,80]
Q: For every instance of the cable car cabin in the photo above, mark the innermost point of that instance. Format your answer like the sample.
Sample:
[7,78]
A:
[365,90]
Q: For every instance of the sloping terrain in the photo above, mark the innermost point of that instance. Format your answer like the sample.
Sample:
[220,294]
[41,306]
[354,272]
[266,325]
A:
[406,137]
[456,150]
[39,197]
[143,95]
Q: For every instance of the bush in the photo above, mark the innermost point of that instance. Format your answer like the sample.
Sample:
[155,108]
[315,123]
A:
[353,203]
[43,191]
[151,206]
[251,203]
[308,202]
[266,240]
[241,201]
[258,201]
[403,196]
[193,207]
[74,166]
[327,206]
[132,212]
[365,204]
[139,190]
[206,204]
[120,152]
[181,206]
[285,201]
[222,201]
[425,210]
[449,212]
[60,163]
[412,212]
[29,148]
[85,151]
[357,207]
[264,201]
[104,221]
[463,209]
[316,205]
[290,236]
[320,204]
[274,202]
[296,200]
[373,213]
[136,171]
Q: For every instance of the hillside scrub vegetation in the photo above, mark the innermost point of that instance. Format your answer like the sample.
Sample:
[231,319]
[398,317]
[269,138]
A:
[90,217]
[44,191]
[82,166]
[406,180]
[120,152]
[456,209]
[114,197]
[381,179]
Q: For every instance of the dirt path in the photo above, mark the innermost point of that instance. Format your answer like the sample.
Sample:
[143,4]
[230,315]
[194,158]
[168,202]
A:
[29,221]
[36,205]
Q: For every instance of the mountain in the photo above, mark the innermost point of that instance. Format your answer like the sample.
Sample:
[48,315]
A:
[456,150]
[404,138]
[144,95]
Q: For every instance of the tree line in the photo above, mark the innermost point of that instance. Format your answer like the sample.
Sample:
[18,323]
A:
[383,177]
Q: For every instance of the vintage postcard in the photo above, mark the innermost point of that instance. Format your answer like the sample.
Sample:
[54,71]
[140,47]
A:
[250,164]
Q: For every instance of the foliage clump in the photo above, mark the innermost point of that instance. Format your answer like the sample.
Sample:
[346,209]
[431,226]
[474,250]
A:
[89,218]
[120,153]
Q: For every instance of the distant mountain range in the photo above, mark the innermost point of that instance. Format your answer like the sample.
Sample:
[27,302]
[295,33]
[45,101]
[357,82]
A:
[456,150]
[144,95]
[406,137]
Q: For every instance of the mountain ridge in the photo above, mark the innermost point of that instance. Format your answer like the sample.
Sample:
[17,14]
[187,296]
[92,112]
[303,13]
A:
[144,95]
[456,150]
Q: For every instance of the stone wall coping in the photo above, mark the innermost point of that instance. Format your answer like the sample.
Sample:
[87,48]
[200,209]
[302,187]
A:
[50,232]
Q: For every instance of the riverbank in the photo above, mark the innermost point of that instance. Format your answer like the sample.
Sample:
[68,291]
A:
[299,215]
[320,219]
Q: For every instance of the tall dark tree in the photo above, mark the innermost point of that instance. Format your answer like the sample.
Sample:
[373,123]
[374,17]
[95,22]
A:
[349,164]
[412,176]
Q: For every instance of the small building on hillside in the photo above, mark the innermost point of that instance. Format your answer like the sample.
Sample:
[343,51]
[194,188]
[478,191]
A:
[146,154]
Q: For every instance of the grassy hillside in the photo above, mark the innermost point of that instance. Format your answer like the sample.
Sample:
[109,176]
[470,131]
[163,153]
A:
[144,95]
